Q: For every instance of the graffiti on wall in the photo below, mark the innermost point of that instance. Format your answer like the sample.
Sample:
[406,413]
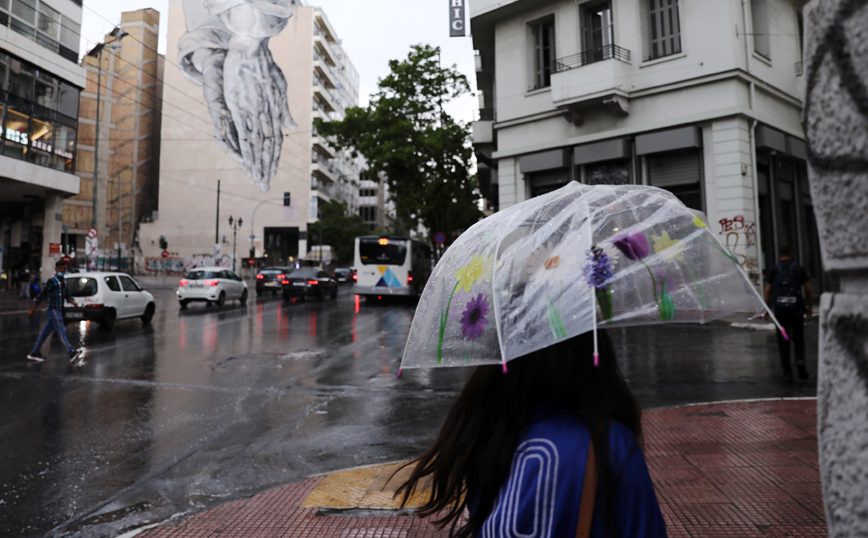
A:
[225,50]
[740,233]
[179,266]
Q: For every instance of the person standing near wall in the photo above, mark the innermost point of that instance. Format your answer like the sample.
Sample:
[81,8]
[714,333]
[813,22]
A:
[783,292]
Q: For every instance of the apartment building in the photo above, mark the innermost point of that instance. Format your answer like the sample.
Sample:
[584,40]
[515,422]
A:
[40,82]
[375,207]
[119,127]
[277,192]
[699,98]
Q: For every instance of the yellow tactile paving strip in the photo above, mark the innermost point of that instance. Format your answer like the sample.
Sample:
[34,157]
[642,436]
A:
[366,488]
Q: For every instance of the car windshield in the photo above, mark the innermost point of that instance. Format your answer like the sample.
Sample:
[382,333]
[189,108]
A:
[305,273]
[199,274]
[81,286]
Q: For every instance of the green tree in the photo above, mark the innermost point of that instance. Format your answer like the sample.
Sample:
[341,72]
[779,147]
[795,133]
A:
[339,230]
[424,152]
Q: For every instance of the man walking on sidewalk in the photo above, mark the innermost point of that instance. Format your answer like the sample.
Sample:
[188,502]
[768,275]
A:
[56,290]
[784,282]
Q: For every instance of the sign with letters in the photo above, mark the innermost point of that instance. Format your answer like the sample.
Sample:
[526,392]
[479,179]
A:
[456,18]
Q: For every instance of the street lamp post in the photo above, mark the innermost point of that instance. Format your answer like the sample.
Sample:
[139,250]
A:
[234,224]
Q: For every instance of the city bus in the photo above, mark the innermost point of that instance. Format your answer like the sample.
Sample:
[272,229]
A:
[387,265]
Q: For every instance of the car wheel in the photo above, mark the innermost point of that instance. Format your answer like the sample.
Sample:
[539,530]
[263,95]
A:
[221,299]
[243,299]
[149,314]
[108,322]
[183,303]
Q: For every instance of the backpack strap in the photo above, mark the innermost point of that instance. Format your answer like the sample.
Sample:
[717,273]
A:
[589,492]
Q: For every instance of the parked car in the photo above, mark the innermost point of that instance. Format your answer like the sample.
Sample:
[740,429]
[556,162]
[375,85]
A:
[268,278]
[343,274]
[213,285]
[309,282]
[106,297]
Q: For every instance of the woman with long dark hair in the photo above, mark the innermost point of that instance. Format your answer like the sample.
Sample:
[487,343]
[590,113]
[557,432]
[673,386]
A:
[514,447]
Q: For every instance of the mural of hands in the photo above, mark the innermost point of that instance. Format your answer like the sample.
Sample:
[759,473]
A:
[226,51]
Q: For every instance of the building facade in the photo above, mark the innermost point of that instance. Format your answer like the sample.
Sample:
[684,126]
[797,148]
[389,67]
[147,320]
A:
[40,82]
[255,140]
[699,98]
[375,207]
[123,87]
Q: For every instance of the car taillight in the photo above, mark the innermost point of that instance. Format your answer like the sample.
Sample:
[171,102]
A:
[94,305]
[355,278]
[183,283]
[211,283]
[259,277]
[279,277]
[313,282]
[409,277]
[285,282]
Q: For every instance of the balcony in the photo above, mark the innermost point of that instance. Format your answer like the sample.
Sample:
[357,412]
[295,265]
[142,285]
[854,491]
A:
[483,132]
[322,147]
[592,78]
[324,97]
[322,187]
[609,52]
[323,71]
[322,46]
[322,169]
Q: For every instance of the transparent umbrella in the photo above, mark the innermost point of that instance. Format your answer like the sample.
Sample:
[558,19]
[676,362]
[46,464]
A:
[561,264]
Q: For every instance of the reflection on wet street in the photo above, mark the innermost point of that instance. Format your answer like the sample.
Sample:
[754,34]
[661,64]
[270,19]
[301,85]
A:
[208,405]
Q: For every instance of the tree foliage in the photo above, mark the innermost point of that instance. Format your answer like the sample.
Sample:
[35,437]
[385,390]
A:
[338,230]
[424,152]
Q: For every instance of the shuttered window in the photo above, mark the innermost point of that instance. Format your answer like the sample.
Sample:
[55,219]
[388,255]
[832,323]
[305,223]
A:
[678,172]
[664,28]
[543,52]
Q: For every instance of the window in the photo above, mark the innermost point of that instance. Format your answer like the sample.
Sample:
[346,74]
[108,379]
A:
[543,35]
[597,32]
[679,172]
[759,17]
[615,172]
[128,284]
[112,283]
[664,28]
[39,22]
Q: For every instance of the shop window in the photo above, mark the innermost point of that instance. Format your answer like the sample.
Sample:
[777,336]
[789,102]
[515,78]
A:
[606,173]
[547,181]
[68,102]
[21,80]
[16,134]
[46,90]
[42,141]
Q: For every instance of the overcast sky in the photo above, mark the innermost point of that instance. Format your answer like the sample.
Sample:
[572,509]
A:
[373,32]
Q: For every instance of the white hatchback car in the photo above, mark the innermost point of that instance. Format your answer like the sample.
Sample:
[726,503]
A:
[107,297]
[214,285]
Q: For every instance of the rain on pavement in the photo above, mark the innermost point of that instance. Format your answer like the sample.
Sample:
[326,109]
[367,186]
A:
[207,405]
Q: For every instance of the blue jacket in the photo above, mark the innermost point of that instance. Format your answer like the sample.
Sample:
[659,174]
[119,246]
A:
[541,497]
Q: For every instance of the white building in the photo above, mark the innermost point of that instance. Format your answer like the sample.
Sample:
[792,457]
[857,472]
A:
[320,81]
[700,98]
[40,83]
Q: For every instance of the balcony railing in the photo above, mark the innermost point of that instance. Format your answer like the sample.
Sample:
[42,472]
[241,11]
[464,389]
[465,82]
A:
[798,69]
[609,52]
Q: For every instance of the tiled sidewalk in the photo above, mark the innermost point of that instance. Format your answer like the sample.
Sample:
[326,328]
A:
[743,469]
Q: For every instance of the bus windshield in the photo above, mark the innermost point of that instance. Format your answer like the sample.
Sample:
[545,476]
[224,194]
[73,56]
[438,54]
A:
[371,252]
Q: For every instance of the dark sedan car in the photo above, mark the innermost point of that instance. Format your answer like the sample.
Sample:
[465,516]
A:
[269,279]
[309,282]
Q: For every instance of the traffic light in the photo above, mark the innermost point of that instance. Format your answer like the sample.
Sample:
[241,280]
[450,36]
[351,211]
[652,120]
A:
[163,243]
[286,199]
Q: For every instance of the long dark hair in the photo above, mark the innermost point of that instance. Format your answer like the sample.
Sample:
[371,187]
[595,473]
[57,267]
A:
[476,444]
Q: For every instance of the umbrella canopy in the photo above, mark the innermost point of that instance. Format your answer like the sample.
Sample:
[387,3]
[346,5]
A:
[557,265]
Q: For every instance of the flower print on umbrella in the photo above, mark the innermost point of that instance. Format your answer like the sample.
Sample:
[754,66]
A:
[473,319]
[465,276]
[635,247]
[669,249]
[543,267]
[598,273]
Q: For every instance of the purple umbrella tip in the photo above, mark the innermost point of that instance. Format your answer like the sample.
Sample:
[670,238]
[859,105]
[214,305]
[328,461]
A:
[400,371]
[596,359]
[784,334]
[504,367]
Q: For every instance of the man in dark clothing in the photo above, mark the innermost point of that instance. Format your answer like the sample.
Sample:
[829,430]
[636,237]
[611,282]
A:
[784,295]
[56,291]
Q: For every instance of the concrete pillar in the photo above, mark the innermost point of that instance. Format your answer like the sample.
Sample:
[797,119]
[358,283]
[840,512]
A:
[836,122]
[52,230]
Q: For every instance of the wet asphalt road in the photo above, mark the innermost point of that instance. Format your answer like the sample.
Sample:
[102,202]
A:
[206,405]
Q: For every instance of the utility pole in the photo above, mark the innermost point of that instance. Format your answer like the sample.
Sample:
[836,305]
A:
[217,223]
